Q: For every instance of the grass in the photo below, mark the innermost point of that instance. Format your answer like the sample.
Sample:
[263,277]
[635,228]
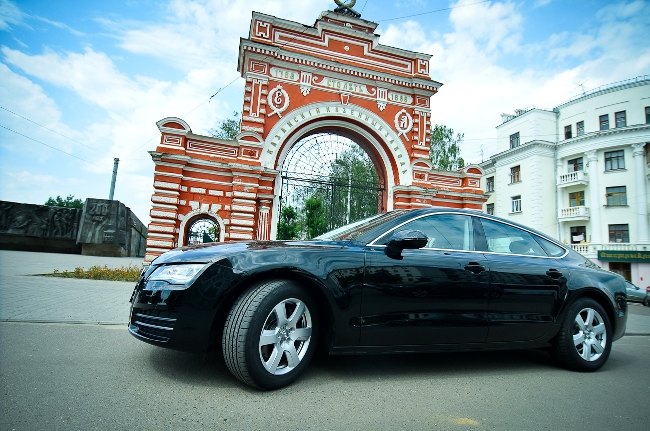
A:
[96,272]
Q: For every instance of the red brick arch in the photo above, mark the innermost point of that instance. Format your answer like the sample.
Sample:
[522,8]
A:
[332,77]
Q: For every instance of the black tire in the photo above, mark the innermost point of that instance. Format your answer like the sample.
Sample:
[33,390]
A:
[587,322]
[292,338]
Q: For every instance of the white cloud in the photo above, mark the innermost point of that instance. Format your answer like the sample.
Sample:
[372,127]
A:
[203,31]
[10,15]
[499,25]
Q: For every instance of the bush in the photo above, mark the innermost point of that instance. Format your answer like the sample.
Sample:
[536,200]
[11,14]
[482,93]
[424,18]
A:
[96,272]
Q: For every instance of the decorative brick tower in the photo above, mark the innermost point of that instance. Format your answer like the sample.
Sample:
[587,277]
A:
[331,77]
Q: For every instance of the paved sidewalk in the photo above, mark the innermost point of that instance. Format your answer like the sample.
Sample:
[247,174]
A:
[28,298]
[25,297]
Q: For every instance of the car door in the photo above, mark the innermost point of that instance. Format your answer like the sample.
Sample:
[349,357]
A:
[526,284]
[433,295]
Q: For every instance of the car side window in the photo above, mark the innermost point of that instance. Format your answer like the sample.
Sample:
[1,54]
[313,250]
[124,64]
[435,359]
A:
[445,231]
[551,249]
[503,238]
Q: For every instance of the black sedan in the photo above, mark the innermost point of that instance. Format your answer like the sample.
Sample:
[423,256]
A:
[403,281]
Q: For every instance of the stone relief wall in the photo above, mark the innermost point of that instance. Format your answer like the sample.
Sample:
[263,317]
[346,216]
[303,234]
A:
[38,220]
[102,223]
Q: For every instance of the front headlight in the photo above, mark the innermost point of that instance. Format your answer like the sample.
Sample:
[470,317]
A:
[173,277]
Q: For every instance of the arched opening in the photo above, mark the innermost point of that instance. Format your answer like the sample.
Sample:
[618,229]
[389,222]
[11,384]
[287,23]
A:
[328,180]
[201,230]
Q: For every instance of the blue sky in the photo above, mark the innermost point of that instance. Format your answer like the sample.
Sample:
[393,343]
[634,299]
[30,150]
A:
[98,75]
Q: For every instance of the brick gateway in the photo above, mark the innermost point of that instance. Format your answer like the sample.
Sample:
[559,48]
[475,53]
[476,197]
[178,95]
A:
[334,77]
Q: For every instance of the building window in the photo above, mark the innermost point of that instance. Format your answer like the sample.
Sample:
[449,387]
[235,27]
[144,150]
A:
[623,269]
[577,199]
[516,204]
[620,119]
[567,132]
[604,122]
[578,234]
[514,140]
[619,233]
[489,184]
[616,196]
[647,114]
[575,165]
[614,160]
[580,128]
[489,208]
[515,174]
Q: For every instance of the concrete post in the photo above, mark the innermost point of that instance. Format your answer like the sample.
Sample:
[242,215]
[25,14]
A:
[116,161]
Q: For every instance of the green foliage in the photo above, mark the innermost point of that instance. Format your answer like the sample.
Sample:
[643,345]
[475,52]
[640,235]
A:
[289,224]
[316,217]
[354,168]
[227,129]
[325,205]
[68,202]
[445,148]
[126,273]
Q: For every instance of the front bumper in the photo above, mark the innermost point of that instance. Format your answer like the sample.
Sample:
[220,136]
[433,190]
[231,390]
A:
[171,319]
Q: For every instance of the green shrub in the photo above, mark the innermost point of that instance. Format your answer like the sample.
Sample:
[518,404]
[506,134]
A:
[96,272]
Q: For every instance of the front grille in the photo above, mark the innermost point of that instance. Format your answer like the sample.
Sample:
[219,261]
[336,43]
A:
[156,325]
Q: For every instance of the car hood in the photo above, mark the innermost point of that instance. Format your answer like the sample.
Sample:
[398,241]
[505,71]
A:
[215,251]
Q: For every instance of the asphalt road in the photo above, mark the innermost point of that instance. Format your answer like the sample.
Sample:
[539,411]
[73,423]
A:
[86,377]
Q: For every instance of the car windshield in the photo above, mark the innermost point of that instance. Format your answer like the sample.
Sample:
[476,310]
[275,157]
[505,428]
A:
[354,230]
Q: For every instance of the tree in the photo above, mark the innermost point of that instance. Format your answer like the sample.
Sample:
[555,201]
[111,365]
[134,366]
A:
[354,175]
[289,224]
[68,202]
[227,129]
[445,148]
[316,219]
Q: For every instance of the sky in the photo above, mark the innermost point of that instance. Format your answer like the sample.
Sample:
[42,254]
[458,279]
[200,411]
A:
[84,82]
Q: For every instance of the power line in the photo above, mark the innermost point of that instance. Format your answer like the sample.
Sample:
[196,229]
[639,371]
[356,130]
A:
[433,11]
[53,131]
[49,146]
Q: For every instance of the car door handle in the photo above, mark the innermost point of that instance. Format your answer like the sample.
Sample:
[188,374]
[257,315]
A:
[554,273]
[475,267]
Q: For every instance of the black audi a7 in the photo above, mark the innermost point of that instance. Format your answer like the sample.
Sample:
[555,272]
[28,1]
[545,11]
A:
[403,281]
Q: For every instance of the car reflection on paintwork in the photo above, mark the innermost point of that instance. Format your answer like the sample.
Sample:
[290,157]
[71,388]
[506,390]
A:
[403,281]
[636,294]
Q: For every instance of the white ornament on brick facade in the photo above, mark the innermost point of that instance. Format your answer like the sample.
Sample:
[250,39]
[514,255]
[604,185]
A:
[403,123]
[278,101]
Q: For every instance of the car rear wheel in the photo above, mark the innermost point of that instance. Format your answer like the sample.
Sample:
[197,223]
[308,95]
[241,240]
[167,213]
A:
[269,336]
[585,338]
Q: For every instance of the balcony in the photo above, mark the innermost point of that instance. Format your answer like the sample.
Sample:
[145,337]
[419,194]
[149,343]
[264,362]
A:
[573,214]
[572,179]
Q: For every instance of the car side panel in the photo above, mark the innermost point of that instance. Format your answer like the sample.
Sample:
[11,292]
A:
[337,275]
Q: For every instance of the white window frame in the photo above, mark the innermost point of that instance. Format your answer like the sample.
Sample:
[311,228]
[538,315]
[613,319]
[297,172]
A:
[515,204]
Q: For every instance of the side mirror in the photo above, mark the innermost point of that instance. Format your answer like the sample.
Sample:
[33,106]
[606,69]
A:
[405,239]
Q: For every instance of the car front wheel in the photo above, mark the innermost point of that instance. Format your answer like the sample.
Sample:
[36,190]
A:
[269,336]
[585,338]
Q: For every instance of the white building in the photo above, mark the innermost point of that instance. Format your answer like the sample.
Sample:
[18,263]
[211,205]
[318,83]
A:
[580,173]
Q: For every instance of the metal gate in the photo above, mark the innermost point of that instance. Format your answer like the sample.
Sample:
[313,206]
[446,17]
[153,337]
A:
[327,181]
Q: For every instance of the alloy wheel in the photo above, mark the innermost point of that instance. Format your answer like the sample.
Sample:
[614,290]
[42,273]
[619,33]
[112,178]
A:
[589,334]
[285,336]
